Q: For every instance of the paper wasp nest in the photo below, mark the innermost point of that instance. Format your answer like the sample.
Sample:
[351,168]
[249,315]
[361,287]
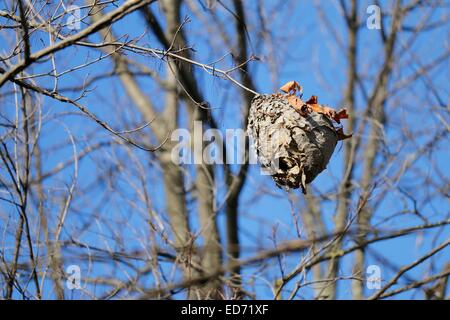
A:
[294,146]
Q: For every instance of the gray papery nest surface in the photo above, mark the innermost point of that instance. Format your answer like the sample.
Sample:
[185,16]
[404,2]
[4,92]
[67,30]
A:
[294,148]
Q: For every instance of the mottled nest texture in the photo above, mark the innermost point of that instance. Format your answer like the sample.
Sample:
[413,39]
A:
[292,141]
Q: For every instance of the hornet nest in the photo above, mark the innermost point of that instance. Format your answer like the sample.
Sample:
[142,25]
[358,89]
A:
[293,139]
